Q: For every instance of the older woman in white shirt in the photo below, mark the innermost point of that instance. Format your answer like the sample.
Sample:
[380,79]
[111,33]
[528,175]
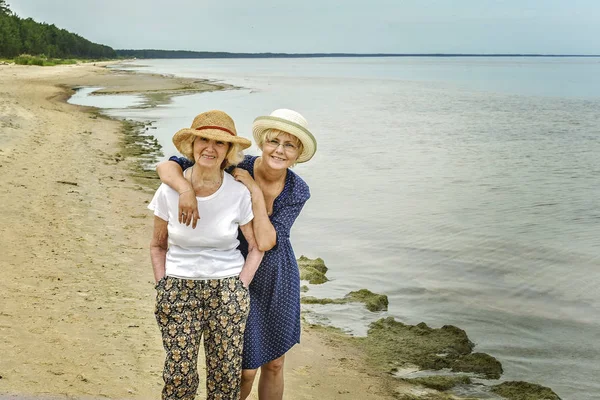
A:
[202,278]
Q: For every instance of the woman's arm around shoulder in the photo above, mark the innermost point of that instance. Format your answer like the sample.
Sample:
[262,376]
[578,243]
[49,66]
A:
[264,232]
[171,173]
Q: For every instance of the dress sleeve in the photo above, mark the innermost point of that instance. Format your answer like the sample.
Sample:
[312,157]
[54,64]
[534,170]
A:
[284,217]
[183,162]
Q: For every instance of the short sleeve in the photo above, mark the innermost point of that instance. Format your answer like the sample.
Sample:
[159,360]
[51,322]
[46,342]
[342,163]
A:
[183,162]
[285,215]
[246,214]
[159,203]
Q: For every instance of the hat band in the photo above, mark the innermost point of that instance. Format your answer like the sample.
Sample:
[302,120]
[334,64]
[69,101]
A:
[201,128]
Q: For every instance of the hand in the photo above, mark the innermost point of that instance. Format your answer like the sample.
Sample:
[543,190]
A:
[246,278]
[243,176]
[188,209]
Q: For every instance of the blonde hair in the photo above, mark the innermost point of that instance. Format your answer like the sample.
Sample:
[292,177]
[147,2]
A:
[271,134]
[234,155]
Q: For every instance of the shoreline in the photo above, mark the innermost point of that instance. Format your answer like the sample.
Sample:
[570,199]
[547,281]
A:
[94,190]
[76,310]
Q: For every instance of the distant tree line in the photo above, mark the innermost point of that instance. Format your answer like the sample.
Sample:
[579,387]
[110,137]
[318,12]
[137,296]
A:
[26,36]
[146,53]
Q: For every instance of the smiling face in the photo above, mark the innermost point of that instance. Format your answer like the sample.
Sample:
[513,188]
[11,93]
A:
[280,150]
[209,153]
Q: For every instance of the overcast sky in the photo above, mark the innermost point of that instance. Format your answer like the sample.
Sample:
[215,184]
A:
[302,26]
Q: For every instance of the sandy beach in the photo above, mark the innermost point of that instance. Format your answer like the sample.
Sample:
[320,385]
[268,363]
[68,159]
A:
[76,305]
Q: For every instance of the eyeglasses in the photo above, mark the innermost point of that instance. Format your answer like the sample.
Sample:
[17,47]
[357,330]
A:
[288,147]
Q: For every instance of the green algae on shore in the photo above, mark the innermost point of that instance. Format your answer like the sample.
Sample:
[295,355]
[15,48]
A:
[430,396]
[392,344]
[479,363]
[434,387]
[441,383]
[137,149]
[141,150]
[312,271]
[518,390]
[373,301]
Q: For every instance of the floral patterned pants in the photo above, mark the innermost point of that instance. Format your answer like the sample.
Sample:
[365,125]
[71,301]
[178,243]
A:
[185,311]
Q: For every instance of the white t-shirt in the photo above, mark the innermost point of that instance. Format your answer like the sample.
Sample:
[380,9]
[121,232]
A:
[210,250]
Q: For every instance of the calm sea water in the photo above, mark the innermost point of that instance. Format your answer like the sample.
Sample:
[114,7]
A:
[466,189]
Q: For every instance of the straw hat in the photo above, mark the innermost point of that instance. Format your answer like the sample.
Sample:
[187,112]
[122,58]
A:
[291,122]
[215,125]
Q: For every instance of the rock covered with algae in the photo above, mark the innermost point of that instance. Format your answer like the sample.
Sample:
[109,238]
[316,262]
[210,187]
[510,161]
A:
[312,271]
[373,301]
[479,363]
[441,383]
[315,300]
[518,390]
[393,344]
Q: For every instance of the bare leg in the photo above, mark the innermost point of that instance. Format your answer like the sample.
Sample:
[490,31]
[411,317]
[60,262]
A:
[270,383]
[248,376]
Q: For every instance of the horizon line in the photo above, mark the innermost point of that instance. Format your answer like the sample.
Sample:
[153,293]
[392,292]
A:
[367,54]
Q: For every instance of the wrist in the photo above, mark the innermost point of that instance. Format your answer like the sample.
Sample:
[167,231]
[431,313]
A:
[255,190]
[185,191]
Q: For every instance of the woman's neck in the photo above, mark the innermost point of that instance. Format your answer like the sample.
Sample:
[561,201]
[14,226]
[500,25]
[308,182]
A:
[203,177]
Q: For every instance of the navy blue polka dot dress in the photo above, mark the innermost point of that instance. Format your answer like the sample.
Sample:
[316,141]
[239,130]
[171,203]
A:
[273,325]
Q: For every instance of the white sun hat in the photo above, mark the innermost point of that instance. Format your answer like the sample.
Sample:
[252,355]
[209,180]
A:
[291,122]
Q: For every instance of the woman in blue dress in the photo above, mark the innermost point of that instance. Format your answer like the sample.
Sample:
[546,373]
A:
[278,195]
